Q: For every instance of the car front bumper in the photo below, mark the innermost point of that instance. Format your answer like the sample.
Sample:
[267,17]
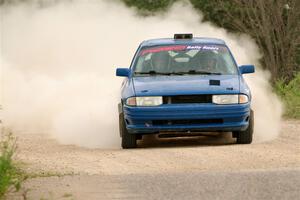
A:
[187,117]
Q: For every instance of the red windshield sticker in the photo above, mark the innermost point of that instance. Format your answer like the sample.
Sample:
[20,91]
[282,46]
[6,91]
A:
[164,48]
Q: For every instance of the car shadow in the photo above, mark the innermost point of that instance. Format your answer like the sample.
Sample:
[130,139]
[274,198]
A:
[213,139]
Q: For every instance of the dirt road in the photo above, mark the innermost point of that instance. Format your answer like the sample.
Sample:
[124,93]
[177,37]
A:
[187,168]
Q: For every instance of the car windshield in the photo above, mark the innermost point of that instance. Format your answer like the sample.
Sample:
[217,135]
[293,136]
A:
[184,60]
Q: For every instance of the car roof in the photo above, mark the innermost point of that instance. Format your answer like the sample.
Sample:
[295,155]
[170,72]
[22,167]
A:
[172,41]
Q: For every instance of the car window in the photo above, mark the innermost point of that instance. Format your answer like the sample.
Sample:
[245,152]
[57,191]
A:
[214,59]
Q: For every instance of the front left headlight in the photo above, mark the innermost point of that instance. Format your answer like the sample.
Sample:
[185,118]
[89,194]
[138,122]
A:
[230,99]
[145,101]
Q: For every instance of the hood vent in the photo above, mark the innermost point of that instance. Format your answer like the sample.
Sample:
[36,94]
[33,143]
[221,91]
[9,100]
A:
[214,82]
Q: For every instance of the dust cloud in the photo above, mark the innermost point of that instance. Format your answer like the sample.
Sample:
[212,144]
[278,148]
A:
[58,66]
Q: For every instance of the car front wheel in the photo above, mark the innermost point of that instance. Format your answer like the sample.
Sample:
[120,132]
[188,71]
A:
[128,140]
[245,137]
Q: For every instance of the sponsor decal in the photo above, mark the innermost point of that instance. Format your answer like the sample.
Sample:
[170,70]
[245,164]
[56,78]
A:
[205,47]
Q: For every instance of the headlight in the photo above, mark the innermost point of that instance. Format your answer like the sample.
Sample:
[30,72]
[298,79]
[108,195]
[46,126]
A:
[230,99]
[144,101]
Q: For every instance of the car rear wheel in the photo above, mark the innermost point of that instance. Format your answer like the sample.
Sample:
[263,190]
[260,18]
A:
[245,137]
[128,140]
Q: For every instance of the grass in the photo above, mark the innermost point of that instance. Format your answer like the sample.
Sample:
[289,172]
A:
[10,174]
[290,94]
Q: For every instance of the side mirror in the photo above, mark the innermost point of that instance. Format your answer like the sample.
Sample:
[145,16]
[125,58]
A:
[247,69]
[123,72]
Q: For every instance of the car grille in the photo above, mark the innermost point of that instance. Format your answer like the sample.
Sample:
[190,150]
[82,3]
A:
[186,122]
[205,98]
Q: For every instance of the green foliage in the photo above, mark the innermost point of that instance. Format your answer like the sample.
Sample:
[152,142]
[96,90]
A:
[10,175]
[215,13]
[149,6]
[290,94]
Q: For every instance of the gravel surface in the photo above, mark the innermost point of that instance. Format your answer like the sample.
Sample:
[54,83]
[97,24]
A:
[186,168]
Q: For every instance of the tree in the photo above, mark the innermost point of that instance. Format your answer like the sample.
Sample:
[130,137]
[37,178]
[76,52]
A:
[149,6]
[274,24]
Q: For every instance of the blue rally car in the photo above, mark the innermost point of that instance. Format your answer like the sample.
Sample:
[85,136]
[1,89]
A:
[184,85]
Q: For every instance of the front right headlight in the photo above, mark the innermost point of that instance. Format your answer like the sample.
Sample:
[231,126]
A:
[230,99]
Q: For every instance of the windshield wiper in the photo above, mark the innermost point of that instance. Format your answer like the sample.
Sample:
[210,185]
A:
[152,72]
[199,72]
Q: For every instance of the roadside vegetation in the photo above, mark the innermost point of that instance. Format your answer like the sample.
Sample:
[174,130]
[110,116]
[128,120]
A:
[290,94]
[10,174]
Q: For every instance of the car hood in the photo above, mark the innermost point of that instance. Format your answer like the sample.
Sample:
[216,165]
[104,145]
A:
[185,85]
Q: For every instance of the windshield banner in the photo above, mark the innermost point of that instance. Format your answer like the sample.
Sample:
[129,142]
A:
[181,48]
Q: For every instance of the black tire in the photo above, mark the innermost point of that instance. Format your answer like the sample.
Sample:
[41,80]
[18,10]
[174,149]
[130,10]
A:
[128,140]
[234,134]
[245,137]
